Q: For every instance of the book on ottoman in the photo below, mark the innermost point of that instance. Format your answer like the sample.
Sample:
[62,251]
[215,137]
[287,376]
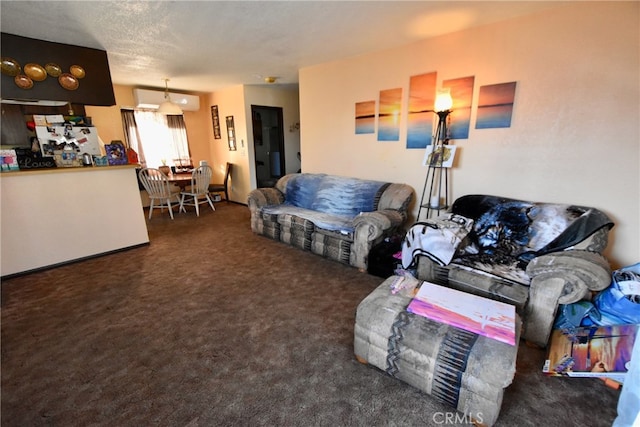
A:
[591,351]
[473,313]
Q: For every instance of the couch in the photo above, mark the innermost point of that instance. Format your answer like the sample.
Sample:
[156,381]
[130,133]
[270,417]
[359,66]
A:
[532,255]
[337,217]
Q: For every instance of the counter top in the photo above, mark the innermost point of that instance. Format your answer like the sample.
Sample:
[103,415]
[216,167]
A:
[61,170]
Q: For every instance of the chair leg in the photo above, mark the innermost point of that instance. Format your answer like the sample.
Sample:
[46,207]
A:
[151,208]
[170,208]
[196,202]
[182,209]
[210,202]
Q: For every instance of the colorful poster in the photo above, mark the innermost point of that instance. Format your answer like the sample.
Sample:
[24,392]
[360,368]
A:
[422,95]
[595,351]
[365,117]
[389,115]
[483,316]
[495,105]
[462,96]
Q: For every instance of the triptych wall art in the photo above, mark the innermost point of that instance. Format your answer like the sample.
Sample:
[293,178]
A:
[494,110]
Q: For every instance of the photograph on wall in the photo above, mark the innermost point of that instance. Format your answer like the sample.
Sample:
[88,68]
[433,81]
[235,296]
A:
[461,90]
[215,118]
[231,133]
[495,105]
[389,115]
[422,95]
[439,155]
[365,117]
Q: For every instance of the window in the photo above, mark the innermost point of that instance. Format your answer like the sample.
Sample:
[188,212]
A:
[157,139]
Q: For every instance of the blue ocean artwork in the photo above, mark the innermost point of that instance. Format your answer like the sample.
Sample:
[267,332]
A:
[494,116]
[365,125]
[388,128]
[460,123]
[419,129]
[495,105]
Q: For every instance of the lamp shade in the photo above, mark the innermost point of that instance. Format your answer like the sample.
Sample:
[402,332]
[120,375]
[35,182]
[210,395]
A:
[169,108]
[444,101]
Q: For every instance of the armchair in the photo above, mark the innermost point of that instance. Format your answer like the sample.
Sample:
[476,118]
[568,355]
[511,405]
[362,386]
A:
[532,255]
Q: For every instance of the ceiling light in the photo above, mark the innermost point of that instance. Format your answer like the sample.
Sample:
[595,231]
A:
[270,79]
[168,107]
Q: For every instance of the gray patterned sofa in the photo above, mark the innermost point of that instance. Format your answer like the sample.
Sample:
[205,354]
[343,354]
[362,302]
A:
[531,255]
[337,217]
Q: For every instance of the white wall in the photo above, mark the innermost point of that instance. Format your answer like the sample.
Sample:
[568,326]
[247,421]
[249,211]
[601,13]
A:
[574,135]
[237,101]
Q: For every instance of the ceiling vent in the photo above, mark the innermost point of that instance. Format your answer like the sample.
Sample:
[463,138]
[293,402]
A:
[153,98]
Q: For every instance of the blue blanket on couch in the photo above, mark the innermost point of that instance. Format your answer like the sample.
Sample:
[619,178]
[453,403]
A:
[334,194]
[330,202]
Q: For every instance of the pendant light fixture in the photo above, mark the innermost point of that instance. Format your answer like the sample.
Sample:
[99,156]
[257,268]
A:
[167,107]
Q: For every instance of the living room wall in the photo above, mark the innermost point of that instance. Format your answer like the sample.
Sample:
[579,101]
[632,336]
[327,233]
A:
[574,135]
[108,121]
[236,101]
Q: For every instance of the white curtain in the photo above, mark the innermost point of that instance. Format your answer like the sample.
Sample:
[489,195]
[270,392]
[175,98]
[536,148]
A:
[158,139]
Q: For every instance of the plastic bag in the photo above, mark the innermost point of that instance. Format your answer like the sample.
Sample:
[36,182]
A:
[620,302]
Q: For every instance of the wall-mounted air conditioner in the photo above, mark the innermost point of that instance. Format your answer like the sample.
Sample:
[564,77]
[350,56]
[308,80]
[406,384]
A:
[153,98]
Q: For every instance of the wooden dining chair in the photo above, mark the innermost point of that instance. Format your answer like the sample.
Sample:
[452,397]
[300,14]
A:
[198,192]
[224,187]
[161,193]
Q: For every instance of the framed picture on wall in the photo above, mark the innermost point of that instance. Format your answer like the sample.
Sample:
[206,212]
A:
[216,122]
[231,133]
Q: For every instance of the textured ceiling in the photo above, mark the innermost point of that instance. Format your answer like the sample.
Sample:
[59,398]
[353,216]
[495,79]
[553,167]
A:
[203,46]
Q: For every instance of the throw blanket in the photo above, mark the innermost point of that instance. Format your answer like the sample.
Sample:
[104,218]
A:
[500,236]
[525,230]
[508,233]
[436,238]
[329,202]
[333,194]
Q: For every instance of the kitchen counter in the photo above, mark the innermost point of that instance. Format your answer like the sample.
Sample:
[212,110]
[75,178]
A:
[55,216]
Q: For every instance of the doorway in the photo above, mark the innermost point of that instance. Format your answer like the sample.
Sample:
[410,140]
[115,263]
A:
[268,144]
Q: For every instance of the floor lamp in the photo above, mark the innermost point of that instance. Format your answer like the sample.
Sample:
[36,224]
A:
[437,174]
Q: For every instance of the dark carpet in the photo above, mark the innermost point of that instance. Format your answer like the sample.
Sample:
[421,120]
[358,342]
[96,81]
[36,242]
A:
[212,325]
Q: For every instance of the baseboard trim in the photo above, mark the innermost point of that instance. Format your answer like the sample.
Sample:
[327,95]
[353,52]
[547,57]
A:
[73,261]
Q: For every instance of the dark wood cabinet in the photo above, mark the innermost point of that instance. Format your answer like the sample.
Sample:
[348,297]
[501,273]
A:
[14,128]
[15,117]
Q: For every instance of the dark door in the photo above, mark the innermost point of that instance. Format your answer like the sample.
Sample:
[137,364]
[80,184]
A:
[268,143]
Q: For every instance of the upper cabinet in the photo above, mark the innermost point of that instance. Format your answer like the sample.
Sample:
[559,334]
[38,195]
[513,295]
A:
[42,70]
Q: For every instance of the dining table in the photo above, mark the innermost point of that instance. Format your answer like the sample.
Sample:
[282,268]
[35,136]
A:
[180,179]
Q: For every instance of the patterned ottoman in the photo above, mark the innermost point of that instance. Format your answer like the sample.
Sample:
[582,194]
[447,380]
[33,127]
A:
[464,370]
